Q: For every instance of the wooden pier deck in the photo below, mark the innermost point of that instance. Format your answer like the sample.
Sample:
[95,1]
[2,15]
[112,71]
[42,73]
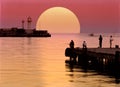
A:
[106,53]
[94,56]
[102,60]
[105,61]
[102,50]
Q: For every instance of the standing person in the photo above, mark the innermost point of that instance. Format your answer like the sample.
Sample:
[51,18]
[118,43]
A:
[84,44]
[111,39]
[100,41]
[71,44]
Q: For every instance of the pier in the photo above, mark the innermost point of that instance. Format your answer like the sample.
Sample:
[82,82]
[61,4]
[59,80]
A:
[105,60]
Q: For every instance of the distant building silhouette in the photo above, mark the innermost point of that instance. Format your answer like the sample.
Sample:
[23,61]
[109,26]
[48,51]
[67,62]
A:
[20,32]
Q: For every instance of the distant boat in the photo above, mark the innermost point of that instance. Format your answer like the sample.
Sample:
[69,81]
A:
[92,34]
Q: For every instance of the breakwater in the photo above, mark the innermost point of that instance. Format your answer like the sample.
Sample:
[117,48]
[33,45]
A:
[19,32]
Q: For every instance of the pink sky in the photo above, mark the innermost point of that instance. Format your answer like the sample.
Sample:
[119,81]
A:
[94,15]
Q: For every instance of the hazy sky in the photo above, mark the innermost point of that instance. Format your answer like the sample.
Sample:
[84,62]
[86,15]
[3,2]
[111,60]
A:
[94,15]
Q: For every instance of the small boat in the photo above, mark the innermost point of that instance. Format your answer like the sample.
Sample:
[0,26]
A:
[92,34]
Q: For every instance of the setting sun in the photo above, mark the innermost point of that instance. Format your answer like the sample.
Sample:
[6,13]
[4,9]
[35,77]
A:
[58,20]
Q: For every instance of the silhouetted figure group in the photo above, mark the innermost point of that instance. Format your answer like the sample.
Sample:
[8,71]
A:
[72,44]
[100,41]
[88,61]
[85,44]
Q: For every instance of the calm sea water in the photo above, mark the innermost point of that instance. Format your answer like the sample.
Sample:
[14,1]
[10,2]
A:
[40,62]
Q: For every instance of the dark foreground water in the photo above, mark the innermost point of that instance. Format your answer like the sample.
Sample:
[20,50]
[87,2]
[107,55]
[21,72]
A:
[40,62]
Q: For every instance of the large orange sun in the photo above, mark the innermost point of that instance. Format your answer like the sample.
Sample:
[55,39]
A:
[58,20]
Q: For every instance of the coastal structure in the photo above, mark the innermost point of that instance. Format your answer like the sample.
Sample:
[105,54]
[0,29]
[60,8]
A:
[29,21]
[21,32]
[102,60]
[23,24]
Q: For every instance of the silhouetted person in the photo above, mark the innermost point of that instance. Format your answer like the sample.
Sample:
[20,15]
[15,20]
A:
[84,57]
[71,44]
[111,39]
[84,44]
[100,41]
[73,55]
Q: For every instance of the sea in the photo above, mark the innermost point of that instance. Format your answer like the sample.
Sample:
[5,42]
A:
[40,62]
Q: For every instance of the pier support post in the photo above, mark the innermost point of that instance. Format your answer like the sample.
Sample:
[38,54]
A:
[117,57]
[70,52]
[83,59]
[117,64]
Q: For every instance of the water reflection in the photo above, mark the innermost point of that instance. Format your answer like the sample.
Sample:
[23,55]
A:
[19,62]
[78,72]
[39,62]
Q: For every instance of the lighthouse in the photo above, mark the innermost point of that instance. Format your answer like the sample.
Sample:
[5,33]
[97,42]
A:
[29,20]
[29,29]
[23,24]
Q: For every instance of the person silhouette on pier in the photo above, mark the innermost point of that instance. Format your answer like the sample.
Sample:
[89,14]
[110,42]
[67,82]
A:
[84,44]
[71,44]
[111,40]
[100,41]
[72,52]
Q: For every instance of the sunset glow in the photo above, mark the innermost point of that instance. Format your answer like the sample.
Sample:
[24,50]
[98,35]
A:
[59,43]
[58,20]
[94,15]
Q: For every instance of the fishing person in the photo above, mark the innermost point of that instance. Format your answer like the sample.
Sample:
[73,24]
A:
[111,40]
[84,44]
[71,44]
[100,41]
